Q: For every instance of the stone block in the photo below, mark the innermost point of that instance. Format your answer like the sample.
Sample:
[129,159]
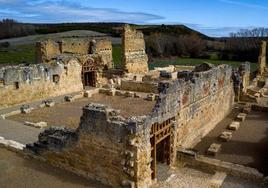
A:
[225,136]
[217,180]
[129,94]
[150,97]
[234,126]
[25,109]
[42,105]
[48,103]
[87,94]
[246,109]
[69,98]
[112,92]
[241,117]
[214,149]
[40,125]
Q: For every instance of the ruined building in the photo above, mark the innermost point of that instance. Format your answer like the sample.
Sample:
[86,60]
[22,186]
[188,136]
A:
[117,150]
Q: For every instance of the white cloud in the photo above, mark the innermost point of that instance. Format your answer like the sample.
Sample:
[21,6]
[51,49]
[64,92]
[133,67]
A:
[239,3]
[64,11]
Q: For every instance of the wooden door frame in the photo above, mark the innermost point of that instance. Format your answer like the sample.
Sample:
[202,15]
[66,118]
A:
[89,67]
[160,132]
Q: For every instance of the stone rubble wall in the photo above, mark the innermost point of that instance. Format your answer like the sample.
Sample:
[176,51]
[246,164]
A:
[101,147]
[198,104]
[21,84]
[50,50]
[135,59]
[262,59]
[146,87]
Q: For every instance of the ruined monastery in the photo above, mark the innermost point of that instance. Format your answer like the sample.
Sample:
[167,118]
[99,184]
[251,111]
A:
[117,147]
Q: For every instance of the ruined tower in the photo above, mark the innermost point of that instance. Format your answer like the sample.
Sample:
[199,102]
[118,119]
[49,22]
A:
[262,58]
[135,59]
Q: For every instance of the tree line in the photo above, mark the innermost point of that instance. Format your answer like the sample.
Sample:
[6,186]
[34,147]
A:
[11,28]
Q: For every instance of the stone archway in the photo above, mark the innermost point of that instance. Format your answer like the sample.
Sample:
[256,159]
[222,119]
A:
[89,73]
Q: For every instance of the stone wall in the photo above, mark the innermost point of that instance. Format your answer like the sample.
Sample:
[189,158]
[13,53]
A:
[198,104]
[135,59]
[50,50]
[117,151]
[262,58]
[22,84]
[146,87]
[103,147]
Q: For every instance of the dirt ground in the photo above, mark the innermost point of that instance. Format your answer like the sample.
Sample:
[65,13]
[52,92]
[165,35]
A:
[248,146]
[16,171]
[68,114]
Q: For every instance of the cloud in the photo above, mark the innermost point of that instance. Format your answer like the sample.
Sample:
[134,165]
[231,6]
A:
[63,11]
[239,3]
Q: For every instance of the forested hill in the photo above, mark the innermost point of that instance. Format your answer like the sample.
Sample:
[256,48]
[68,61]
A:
[10,28]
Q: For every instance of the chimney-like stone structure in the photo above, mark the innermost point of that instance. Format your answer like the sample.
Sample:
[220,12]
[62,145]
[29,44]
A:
[135,59]
[262,58]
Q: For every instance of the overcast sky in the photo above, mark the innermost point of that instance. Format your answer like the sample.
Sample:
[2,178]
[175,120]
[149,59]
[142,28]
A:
[212,17]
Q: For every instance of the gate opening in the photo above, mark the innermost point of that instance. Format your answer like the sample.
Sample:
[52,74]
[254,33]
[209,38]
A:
[160,144]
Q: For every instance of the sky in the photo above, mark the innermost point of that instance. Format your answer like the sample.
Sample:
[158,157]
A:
[211,17]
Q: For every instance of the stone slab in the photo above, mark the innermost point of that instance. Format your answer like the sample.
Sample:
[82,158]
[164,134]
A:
[241,117]
[214,149]
[234,126]
[217,180]
[226,136]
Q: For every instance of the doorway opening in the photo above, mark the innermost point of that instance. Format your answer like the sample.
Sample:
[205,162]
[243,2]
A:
[90,79]
[89,74]
[160,145]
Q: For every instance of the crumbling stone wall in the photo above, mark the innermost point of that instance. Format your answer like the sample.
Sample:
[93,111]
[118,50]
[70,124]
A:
[22,84]
[147,87]
[135,59]
[117,151]
[105,147]
[198,104]
[49,50]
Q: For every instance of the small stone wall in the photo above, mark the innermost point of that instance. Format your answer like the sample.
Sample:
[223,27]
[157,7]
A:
[27,83]
[146,87]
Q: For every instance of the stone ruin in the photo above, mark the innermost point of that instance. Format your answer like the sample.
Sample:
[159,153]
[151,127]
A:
[106,146]
[134,56]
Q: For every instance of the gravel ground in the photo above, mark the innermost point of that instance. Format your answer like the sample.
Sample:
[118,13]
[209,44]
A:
[185,178]
[18,172]
[68,114]
[248,145]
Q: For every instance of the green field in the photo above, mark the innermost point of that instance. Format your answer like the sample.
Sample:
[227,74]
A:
[177,61]
[191,61]
[17,54]
[26,53]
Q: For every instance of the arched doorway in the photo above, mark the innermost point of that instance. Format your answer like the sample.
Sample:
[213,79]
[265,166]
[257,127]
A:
[89,74]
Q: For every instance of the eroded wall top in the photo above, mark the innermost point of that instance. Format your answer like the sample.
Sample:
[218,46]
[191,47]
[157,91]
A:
[135,59]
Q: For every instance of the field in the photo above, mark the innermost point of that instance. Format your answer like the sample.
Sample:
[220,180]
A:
[177,61]
[20,51]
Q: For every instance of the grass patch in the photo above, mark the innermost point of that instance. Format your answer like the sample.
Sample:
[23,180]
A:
[17,54]
[117,56]
[194,62]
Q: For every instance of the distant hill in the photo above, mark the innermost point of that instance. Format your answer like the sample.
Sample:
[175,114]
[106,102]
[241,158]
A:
[113,29]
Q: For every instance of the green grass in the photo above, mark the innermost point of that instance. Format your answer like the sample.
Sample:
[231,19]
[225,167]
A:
[117,56]
[193,62]
[17,54]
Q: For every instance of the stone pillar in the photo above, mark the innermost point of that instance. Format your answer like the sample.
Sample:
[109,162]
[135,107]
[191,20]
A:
[244,71]
[262,58]
[135,59]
